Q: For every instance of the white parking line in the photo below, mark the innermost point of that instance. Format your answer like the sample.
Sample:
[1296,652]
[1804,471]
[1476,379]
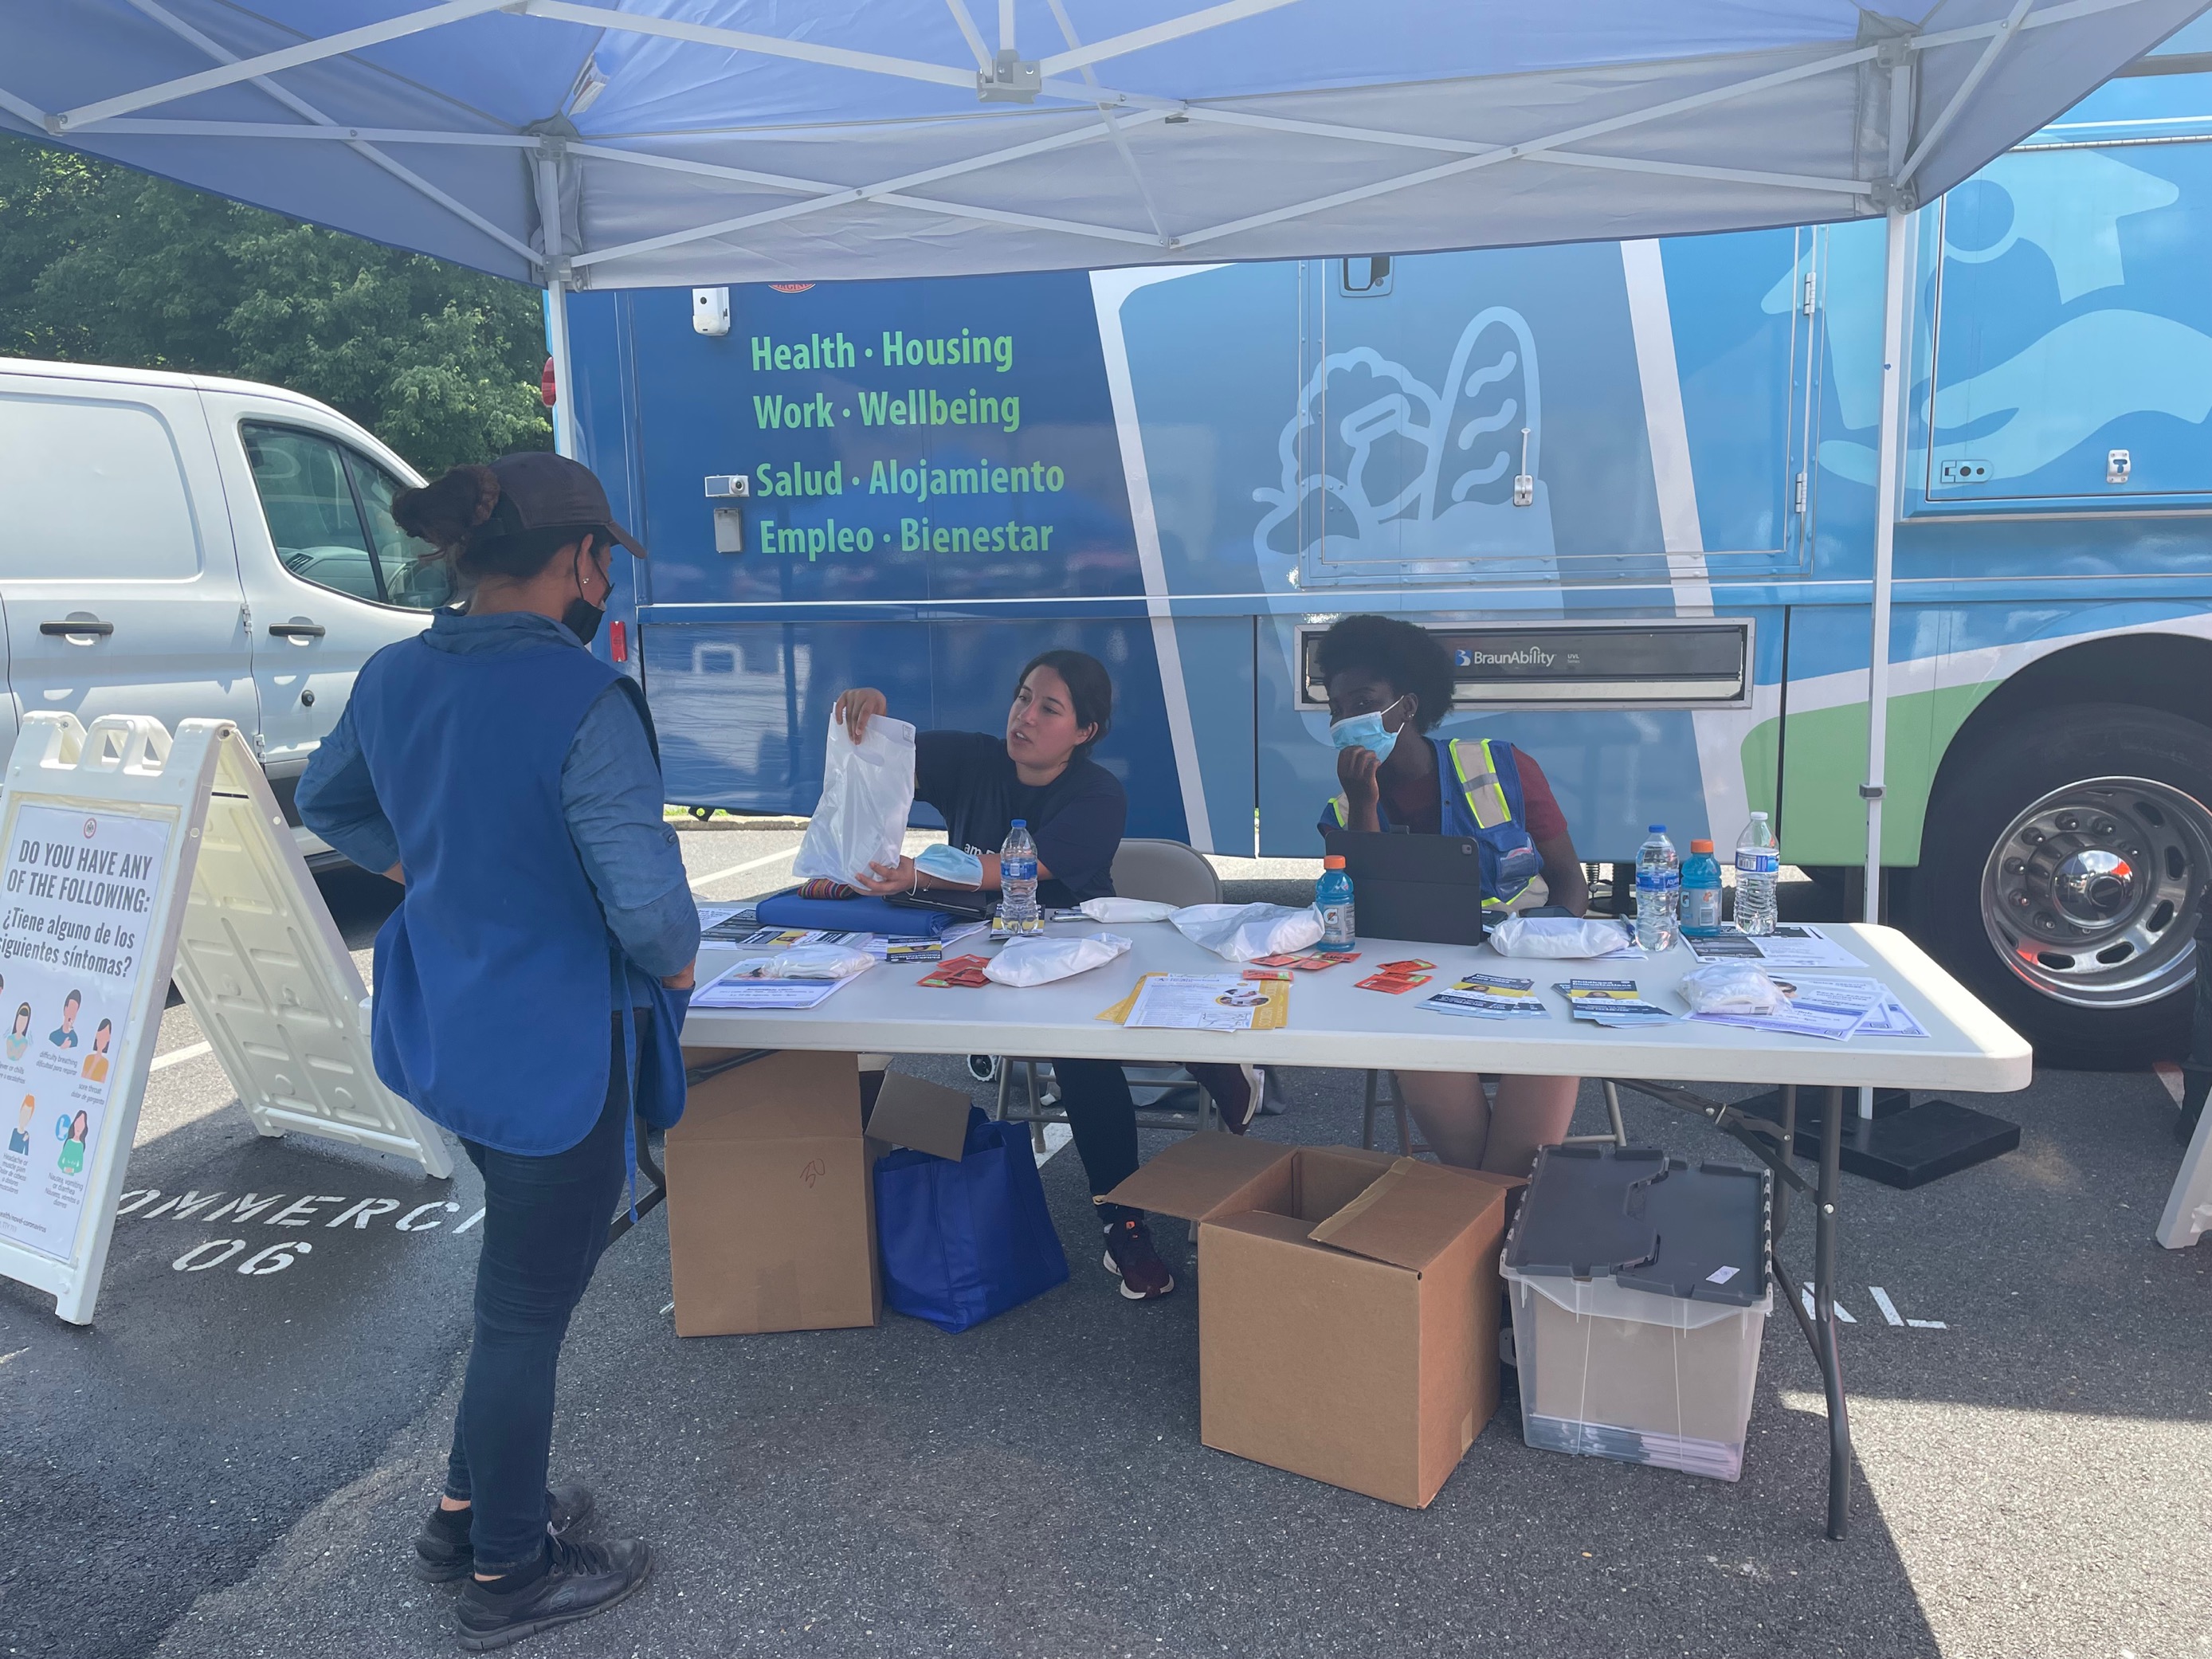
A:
[739,869]
[179,1056]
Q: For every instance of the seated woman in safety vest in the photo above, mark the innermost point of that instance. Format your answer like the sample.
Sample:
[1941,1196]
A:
[1388,682]
[1040,770]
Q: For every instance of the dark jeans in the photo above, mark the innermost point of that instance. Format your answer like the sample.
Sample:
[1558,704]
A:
[545,1222]
[1095,1095]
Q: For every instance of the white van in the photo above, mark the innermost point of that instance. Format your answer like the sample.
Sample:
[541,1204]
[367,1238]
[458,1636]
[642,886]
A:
[177,545]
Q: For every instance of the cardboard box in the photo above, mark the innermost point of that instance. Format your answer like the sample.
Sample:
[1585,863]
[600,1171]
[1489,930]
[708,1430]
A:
[771,1193]
[1348,1307]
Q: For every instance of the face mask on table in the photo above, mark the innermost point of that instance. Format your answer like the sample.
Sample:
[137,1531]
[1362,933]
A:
[954,863]
[1366,731]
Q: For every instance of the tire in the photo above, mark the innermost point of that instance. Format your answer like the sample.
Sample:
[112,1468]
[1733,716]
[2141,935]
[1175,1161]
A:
[2018,896]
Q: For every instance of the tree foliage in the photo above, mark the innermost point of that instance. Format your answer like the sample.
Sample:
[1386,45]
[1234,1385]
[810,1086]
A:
[99,265]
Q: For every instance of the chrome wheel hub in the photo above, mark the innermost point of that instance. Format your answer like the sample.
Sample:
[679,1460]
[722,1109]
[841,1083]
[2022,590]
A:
[2091,893]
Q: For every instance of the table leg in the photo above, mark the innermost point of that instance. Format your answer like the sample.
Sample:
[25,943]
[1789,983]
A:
[1824,1314]
[1789,1151]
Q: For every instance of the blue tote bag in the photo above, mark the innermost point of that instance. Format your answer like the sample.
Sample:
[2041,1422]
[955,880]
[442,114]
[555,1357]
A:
[963,1242]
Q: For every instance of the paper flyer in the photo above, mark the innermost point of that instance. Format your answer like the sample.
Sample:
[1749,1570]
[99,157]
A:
[1251,1006]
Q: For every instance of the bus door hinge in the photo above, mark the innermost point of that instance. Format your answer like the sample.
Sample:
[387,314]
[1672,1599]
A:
[1812,288]
[1801,494]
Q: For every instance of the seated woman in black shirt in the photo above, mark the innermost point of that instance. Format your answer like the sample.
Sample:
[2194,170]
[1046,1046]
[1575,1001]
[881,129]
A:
[1042,771]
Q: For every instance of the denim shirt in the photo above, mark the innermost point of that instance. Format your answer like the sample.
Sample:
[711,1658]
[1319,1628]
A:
[611,797]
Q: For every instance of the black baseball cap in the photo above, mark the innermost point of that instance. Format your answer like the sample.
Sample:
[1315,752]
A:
[548,491]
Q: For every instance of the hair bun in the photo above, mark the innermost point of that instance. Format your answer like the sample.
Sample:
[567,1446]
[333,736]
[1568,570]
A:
[442,513]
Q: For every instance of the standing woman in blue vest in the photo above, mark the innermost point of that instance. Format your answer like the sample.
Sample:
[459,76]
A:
[531,984]
[1388,682]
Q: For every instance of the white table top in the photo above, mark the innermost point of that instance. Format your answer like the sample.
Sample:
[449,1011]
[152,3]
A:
[1334,1024]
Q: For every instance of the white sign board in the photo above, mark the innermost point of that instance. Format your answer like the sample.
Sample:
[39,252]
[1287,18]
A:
[126,858]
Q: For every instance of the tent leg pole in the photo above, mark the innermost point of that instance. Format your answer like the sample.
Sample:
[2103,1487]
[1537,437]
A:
[1885,536]
[557,304]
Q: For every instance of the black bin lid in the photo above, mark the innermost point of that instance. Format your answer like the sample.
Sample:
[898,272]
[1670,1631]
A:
[1646,1221]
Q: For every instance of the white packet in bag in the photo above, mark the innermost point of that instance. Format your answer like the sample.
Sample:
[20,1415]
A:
[1243,932]
[1126,909]
[1558,936]
[867,790]
[1732,987]
[1040,961]
[818,962]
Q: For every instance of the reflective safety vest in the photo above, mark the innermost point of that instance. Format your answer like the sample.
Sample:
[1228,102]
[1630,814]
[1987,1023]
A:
[1488,781]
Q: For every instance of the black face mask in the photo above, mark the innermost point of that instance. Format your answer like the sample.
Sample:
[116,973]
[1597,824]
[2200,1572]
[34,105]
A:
[582,618]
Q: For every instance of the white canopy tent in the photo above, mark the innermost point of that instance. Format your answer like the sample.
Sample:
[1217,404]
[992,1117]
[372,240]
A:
[648,142]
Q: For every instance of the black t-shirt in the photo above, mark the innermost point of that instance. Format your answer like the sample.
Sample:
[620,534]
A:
[1075,820]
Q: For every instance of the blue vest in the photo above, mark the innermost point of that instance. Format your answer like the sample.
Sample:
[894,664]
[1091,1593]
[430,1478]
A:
[492,1004]
[1480,798]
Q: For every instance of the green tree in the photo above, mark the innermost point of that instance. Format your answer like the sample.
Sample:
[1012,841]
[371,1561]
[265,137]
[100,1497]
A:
[99,264]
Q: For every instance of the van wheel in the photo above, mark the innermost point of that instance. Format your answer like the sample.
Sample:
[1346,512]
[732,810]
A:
[2061,875]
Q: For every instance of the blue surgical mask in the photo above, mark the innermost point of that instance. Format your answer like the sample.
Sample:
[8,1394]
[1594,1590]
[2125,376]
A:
[1366,731]
[955,864]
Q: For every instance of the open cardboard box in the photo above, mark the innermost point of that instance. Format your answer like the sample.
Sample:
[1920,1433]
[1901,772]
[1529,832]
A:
[1348,1307]
[771,1193]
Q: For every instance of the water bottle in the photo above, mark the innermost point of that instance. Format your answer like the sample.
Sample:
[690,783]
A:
[1701,891]
[1658,882]
[1333,898]
[1758,866]
[1017,880]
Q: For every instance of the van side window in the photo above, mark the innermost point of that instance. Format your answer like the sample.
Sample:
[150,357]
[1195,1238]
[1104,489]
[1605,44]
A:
[400,557]
[93,491]
[329,512]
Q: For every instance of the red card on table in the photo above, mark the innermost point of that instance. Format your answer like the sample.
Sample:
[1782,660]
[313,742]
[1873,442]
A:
[1267,974]
[1321,959]
[1409,967]
[1395,984]
[959,970]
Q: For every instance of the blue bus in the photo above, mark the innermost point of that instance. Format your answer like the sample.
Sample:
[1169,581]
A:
[1630,484]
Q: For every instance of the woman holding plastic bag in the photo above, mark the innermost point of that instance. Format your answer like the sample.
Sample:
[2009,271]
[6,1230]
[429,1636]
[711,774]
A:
[1388,682]
[1040,771]
[532,984]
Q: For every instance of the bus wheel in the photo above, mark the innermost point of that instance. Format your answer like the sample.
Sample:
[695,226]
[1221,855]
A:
[2060,875]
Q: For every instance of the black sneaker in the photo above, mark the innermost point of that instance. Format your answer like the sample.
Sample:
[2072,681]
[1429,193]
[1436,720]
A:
[444,1555]
[1236,1095]
[578,1580]
[1131,1258]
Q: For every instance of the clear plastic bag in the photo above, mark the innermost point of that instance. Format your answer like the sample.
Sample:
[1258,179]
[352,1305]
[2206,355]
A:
[1560,936]
[867,790]
[1732,987]
[1243,932]
[1040,960]
[1126,909]
[818,962]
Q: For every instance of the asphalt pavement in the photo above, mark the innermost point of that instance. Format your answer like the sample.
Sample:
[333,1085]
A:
[231,1463]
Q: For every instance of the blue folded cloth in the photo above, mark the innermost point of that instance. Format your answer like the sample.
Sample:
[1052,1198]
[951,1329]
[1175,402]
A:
[865,915]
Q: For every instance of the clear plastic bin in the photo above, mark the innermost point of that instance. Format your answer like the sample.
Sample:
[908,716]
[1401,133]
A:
[1608,1372]
[1640,1294]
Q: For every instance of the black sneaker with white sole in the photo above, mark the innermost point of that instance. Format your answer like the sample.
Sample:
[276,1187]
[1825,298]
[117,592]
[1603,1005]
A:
[1131,1258]
[579,1581]
[445,1555]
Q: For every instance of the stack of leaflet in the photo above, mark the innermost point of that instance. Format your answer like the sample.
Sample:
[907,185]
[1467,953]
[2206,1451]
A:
[1831,1007]
[1792,944]
[726,924]
[1612,1002]
[922,949]
[1490,996]
[736,988]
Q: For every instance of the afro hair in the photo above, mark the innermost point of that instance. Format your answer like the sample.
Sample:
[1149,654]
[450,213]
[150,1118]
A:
[1408,658]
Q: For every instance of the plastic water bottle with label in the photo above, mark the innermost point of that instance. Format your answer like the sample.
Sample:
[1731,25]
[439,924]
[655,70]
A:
[1658,890]
[1017,880]
[1333,898]
[1757,867]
